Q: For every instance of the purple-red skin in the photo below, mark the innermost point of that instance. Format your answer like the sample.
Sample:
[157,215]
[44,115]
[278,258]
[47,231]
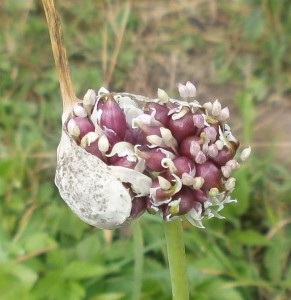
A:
[211,174]
[161,114]
[112,137]
[94,150]
[213,132]
[149,206]
[186,144]
[199,196]
[151,130]
[225,154]
[84,126]
[153,159]
[183,164]
[161,194]
[186,204]
[113,117]
[122,162]
[139,205]
[183,127]
[134,136]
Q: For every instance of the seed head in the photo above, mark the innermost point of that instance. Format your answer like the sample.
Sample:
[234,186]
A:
[123,154]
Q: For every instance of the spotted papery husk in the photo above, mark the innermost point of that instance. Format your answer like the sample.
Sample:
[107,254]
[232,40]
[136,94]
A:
[93,190]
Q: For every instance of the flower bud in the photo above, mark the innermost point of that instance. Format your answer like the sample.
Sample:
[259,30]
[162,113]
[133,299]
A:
[216,108]
[182,127]
[89,100]
[208,106]
[123,162]
[103,143]
[226,171]
[233,164]
[160,112]
[198,121]
[190,146]
[245,154]
[112,116]
[134,136]
[183,164]
[183,91]
[147,129]
[230,184]
[112,136]
[80,111]
[200,158]
[150,207]
[213,150]
[223,156]
[198,182]
[211,133]
[191,89]
[199,196]
[187,91]
[163,96]
[78,127]
[162,196]
[210,173]
[182,202]
[223,115]
[139,205]
[90,142]
[153,158]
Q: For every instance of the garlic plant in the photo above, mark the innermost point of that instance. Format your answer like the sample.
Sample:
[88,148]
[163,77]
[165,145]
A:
[122,154]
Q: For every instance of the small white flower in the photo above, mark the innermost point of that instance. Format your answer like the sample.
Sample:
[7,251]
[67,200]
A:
[88,139]
[89,100]
[230,184]
[223,115]
[163,96]
[216,108]
[187,91]
[245,153]
[198,182]
[80,111]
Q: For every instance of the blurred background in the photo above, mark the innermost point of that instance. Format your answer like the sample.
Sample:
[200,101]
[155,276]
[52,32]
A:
[235,51]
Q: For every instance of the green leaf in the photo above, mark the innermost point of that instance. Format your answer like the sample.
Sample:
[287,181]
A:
[16,281]
[81,270]
[39,240]
[241,193]
[249,237]
[109,296]
[54,286]
[276,258]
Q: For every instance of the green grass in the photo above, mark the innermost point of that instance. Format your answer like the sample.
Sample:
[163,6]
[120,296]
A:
[235,50]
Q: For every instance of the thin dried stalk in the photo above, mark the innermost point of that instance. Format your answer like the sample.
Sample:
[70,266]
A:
[59,53]
[119,39]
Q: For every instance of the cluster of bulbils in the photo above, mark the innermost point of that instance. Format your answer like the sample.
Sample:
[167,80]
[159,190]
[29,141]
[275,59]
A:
[185,150]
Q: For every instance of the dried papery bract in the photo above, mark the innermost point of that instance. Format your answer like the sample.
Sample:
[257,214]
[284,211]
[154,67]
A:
[95,192]
[86,184]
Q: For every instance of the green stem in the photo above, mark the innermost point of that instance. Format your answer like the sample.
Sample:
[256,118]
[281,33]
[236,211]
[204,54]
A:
[138,259]
[177,259]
